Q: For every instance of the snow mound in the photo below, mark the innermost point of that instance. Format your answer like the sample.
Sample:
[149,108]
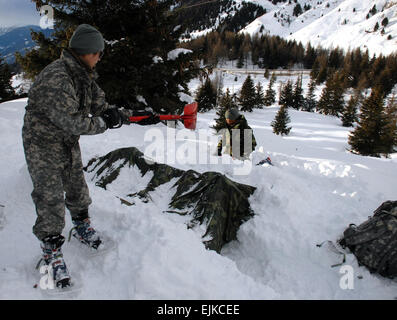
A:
[209,198]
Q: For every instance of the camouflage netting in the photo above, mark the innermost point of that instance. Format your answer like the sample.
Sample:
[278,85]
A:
[210,198]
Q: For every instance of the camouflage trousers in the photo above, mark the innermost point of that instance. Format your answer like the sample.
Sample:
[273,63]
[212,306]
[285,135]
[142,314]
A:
[58,180]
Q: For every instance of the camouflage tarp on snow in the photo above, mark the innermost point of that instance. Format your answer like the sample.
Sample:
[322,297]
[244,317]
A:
[210,198]
[374,242]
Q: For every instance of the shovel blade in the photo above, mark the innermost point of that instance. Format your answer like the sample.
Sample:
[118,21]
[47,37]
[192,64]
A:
[190,115]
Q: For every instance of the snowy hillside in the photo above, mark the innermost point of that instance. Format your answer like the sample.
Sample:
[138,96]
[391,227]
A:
[4,30]
[343,23]
[329,23]
[280,20]
[347,28]
[312,193]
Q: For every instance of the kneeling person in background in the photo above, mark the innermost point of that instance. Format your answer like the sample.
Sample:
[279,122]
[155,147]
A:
[237,132]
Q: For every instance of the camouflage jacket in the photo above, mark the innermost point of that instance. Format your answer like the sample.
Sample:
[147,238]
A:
[242,125]
[65,102]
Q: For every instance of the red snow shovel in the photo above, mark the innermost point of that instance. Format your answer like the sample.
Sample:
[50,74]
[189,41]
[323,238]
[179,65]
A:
[189,116]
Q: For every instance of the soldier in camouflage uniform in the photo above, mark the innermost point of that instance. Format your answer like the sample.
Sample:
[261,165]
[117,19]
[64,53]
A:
[64,103]
[237,131]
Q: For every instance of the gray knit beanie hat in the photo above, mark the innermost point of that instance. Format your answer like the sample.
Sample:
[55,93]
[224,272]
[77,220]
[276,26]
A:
[86,39]
[232,114]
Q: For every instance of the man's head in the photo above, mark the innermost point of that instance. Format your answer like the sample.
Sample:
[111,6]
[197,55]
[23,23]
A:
[88,43]
[231,116]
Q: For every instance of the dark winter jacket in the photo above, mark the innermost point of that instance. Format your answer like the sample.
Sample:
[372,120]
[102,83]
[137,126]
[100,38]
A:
[244,130]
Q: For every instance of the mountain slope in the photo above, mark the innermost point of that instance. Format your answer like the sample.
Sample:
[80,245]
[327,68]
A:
[343,23]
[347,26]
[4,30]
[329,23]
[18,39]
[205,16]
[281,21]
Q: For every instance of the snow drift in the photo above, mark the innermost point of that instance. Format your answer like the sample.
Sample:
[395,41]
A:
[210,198]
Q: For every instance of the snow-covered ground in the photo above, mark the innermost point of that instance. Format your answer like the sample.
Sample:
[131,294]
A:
[312,193]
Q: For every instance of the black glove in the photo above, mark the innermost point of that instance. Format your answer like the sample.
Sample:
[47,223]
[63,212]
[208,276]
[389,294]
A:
[153,119]
[112,118]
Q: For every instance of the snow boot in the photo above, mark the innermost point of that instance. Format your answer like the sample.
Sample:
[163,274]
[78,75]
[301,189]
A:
[85,233]
[53,258]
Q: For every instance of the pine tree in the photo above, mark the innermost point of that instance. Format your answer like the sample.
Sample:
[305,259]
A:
[320,68]
[373,11]
[46,50]
[310,100]
[366,139]
[266,74]
[280,122]
[315,69]
[247,95]
[297,10]
[338,94]
[139,36]
[389,134]
[218,85]
[286,95]
[227,101]
[6,89]
[385,22]
[240,61]
[297,95]
[270,95]
[309,57]
[325,105]
[332,97]
[349,115]
[206,96]
[259,96]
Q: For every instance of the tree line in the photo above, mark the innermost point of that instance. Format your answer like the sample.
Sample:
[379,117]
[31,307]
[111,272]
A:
[356,67]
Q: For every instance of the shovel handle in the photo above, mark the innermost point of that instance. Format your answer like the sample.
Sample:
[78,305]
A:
[137,118]
[170,117]
[162,117]
[189,117]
